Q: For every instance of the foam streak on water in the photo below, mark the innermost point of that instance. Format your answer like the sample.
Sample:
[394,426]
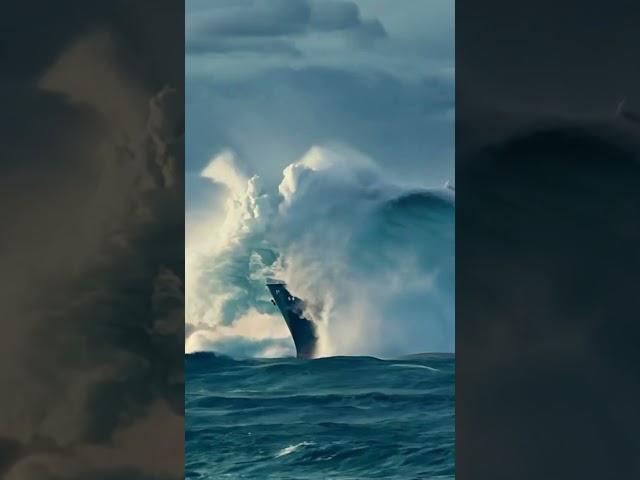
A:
[337,418]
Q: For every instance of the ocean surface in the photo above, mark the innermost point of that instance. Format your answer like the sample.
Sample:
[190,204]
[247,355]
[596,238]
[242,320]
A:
[330,418]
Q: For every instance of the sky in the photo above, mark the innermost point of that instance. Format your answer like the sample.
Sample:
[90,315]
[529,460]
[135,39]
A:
[270,79]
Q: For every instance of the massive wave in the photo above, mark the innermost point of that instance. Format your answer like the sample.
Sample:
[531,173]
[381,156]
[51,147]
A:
[373,261]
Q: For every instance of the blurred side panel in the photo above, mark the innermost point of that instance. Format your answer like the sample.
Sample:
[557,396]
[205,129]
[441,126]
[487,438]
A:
[92,240]
[547,239]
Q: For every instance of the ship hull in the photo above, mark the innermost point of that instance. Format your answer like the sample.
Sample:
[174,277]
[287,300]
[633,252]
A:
[303,331]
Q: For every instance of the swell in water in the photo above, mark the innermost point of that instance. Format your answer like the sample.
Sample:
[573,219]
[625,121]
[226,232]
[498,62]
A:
[337,417]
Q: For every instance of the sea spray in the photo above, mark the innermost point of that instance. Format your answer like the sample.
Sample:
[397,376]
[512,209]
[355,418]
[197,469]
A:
[373,261]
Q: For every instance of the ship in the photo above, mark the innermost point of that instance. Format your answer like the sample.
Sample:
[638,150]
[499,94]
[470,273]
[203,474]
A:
[303,330]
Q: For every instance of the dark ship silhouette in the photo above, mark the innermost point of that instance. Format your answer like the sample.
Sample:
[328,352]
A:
[303,330]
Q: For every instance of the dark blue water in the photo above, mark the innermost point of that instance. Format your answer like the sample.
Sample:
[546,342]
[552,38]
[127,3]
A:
[330,418]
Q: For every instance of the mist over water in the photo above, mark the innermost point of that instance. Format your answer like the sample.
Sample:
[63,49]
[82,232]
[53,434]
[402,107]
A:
[374,261]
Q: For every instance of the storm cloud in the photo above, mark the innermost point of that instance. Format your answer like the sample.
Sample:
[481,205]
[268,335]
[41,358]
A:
[391,98]
[92,245]
[546,240]
[272,26]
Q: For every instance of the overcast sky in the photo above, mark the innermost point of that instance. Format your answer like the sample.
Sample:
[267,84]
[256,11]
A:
[270,79]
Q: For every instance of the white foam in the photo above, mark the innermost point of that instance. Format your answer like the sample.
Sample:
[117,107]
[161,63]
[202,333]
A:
[292,448]
[412,365]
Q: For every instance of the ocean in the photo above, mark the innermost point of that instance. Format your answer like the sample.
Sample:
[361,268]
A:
[340,418]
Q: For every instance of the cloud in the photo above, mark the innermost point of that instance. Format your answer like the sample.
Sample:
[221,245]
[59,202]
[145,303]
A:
[129,453]
[394,101]
[272,26]
[102,87]
[92,348]
[255,19]
[246,45]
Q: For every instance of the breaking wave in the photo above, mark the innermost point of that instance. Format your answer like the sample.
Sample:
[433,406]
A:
[374,261]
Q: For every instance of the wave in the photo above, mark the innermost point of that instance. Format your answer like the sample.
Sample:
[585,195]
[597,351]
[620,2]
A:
[334,417]
[374,261]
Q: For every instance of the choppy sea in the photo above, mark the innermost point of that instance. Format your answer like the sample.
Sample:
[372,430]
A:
[331,418]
